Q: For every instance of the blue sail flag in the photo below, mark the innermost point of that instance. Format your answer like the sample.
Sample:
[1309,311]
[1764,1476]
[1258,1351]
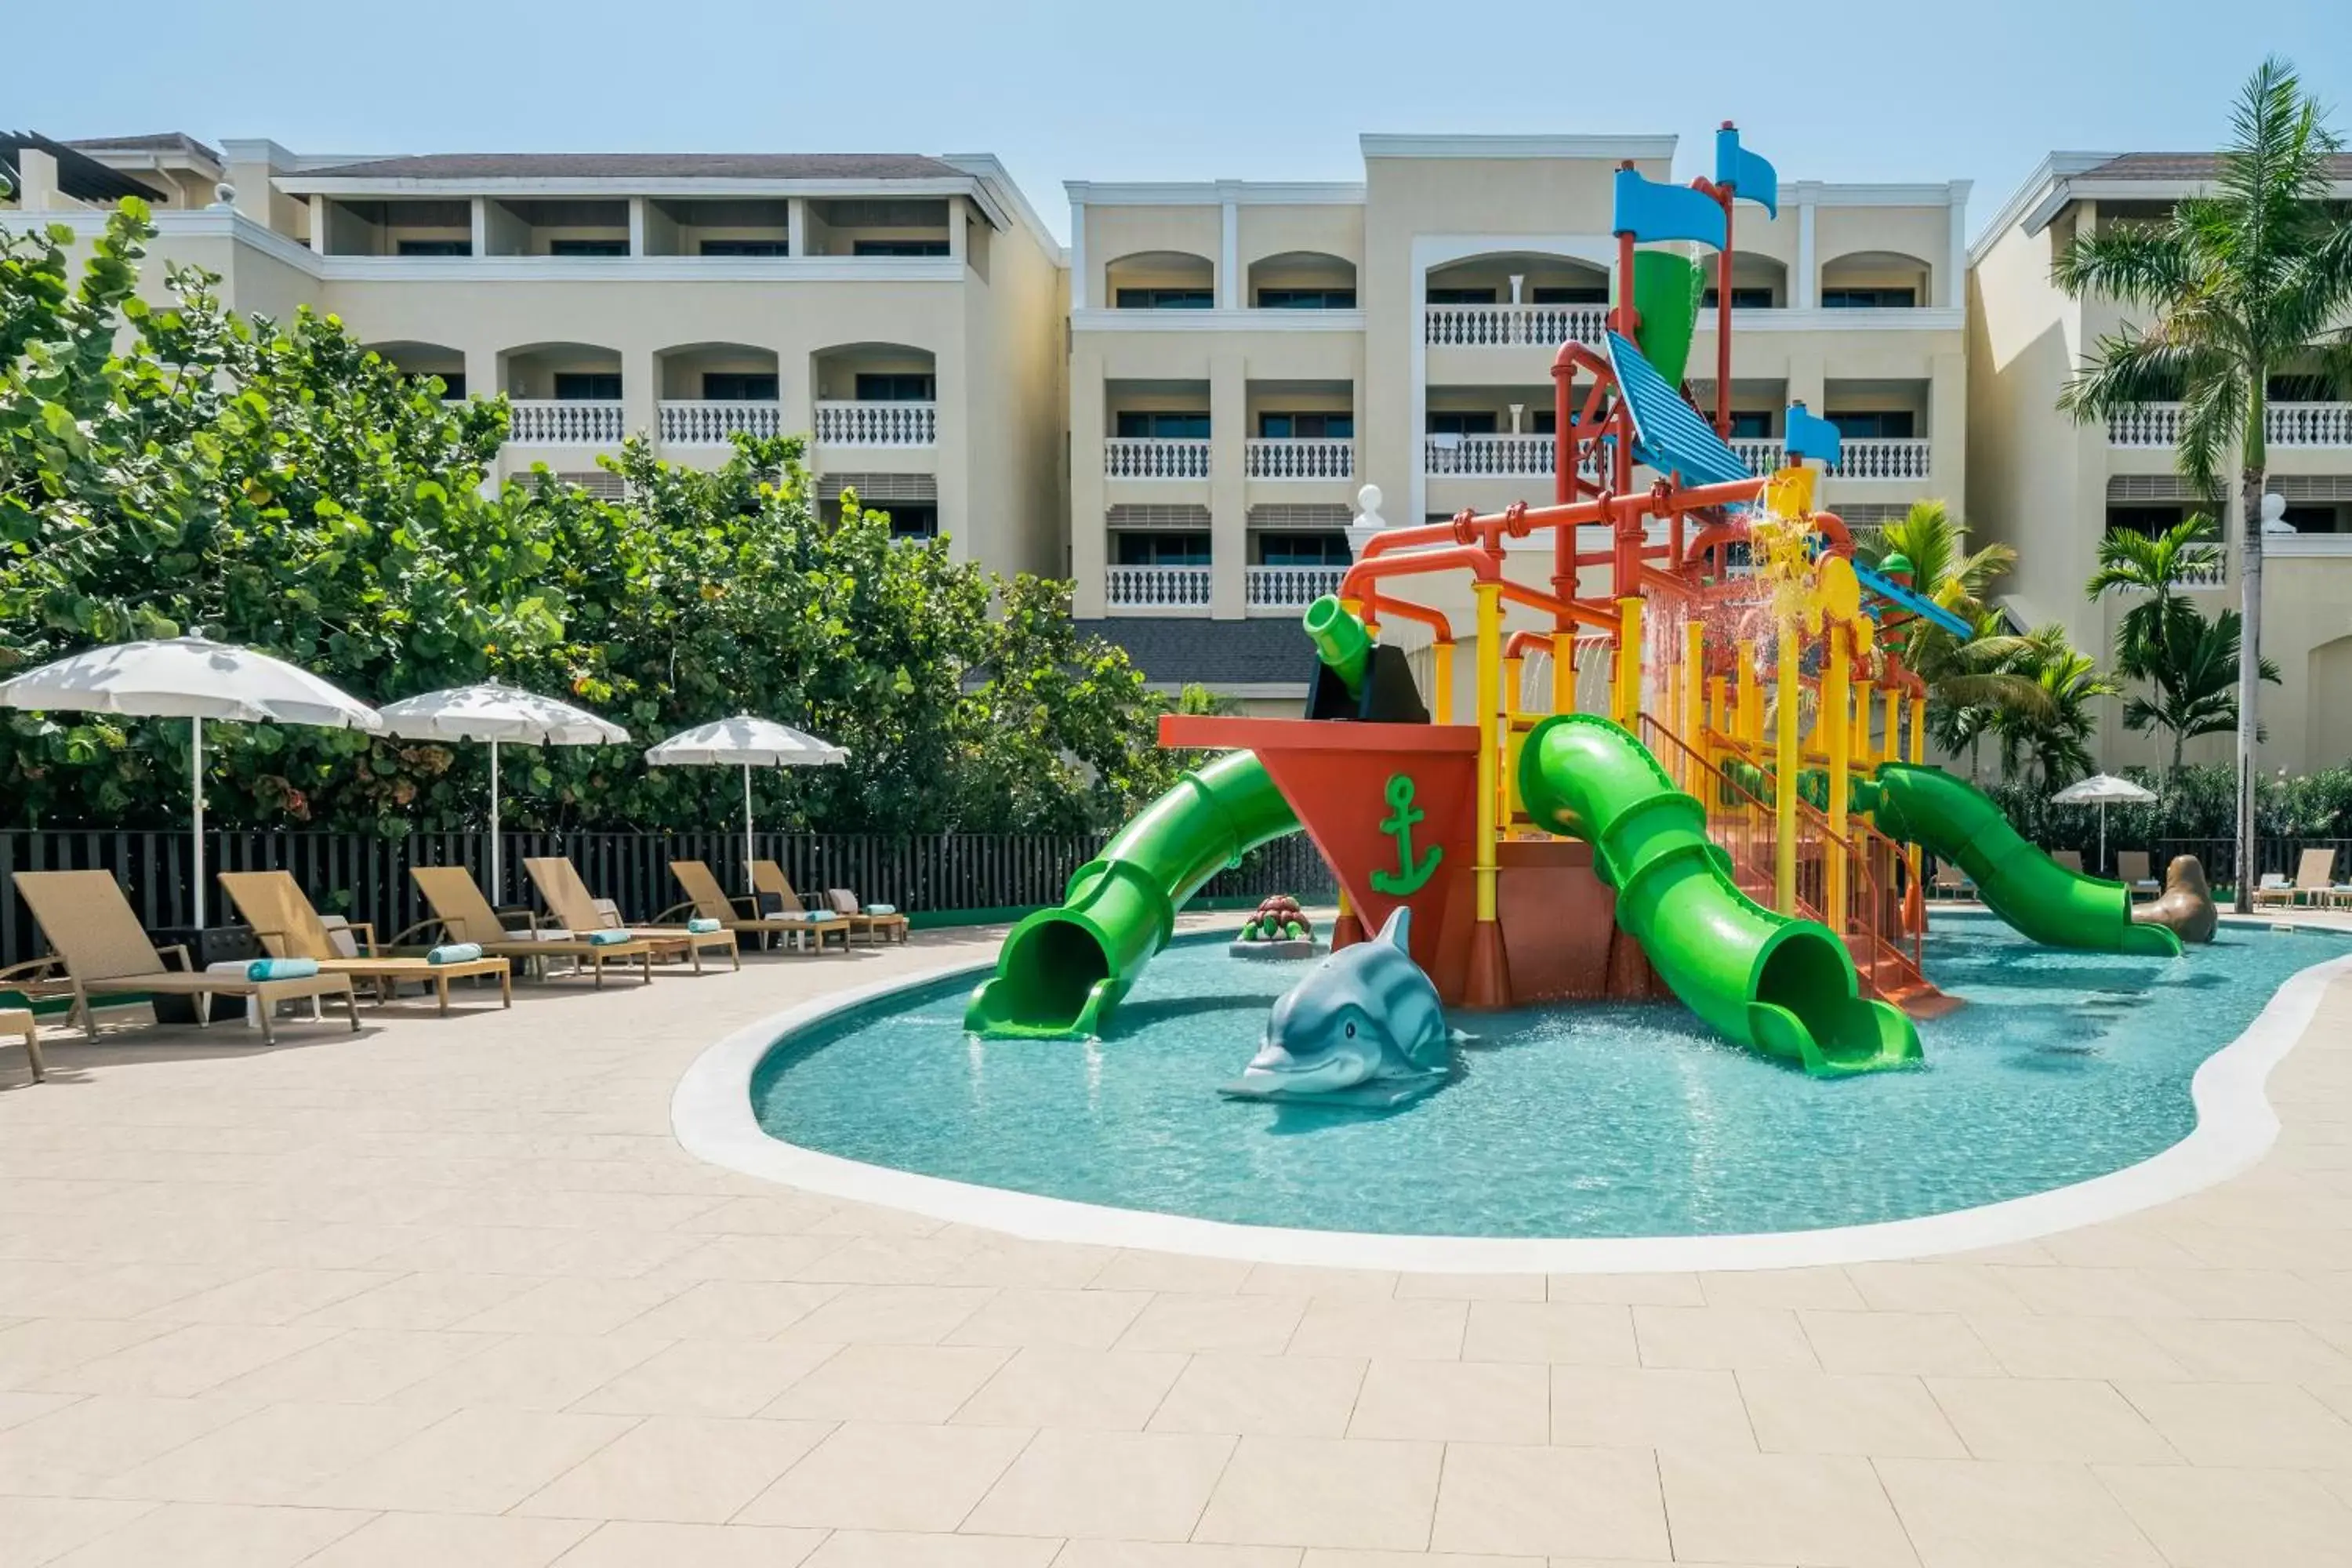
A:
[1648,210]
[1743,171]
[1810,436]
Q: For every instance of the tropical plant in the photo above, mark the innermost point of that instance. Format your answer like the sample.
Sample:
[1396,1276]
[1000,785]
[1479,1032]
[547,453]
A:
[2192,673]
[2154,566]
[2237,285]
[2054,742]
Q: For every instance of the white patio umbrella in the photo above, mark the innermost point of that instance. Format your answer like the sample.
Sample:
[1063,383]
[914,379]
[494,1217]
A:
[746,743]
[500,714]
[189,677]
[2100,790]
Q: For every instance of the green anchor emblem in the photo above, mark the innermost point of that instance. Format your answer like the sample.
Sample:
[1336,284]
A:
[1411,875]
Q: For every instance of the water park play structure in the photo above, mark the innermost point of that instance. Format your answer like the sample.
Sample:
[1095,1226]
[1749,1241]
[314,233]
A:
[1741,829]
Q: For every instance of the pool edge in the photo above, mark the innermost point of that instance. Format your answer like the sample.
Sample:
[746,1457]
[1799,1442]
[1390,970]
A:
[712,1117]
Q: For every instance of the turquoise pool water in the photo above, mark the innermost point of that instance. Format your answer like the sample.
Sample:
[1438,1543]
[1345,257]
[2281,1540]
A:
[1558,1122]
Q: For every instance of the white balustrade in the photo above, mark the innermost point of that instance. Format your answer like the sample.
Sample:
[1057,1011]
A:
[1512,326]
[1150,457]
[1901,457]
[2149,425]
[2309,424]
[550,422]
[2307,544]
[1314,458]
[1291,587]
[699,423]
[840,423]
[1156,587]
[1761,455]
[1490,457]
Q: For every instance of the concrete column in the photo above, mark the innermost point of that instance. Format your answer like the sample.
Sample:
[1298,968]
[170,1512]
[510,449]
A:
[796,226]
[1089,537]
[1229,250]
[1948,417]
[479,210]
[636,226]
[640,391]
[37,182]
[1806,292]
[978,534]
[1228,511]
[1955,291]
[956,236]
[796,390]
[1808,377]
[1079,291]
[319,225]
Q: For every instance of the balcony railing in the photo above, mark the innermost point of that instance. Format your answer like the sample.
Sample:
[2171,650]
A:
[547,422]
[1895,457]
[846,424]
[2284,425]
[701,423]
[1150,457]
[1291,587]
[2308,545]
[1511,326]
[1489,457]
[1156,587]
[1306,459]
[1761,455]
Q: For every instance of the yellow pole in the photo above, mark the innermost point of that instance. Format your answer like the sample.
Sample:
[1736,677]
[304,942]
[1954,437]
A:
[1918,754]
[1507,742]
[1694,684]
[1443,680]
[1837,716]
[1784,779]
[1862,752]
[1563,671]
[1490,672]
[1628,702]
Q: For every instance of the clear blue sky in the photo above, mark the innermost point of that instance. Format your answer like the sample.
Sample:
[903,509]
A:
[1201,88]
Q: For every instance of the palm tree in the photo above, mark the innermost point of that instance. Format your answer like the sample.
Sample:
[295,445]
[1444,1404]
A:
[2194,675]
[2155,565]
[2238,285]
[2056,743]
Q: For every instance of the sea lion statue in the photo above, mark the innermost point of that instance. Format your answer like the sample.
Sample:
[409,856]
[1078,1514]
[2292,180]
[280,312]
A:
[2186,906]
[1364,1027]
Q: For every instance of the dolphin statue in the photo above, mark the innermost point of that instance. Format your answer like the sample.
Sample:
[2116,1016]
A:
[1363,1027]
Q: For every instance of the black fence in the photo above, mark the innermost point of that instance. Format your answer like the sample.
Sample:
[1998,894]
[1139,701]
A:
[366,878]
[2282,857]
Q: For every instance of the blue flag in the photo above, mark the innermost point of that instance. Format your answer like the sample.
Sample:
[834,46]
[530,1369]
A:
[1648,210]
[1743,171]
[1810,436]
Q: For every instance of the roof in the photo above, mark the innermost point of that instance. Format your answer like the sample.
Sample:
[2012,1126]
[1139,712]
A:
[1263,650]
[80,175]
[2183,166]
[643,165]
[178,141]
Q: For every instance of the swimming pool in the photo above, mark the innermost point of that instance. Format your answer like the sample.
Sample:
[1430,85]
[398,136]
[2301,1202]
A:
[1570,1122]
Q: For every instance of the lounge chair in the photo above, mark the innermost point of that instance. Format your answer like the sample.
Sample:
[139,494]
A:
[462,914]
[2314,880]
[880,924]
[288,927]
[2132,870]
[2072,860]
[1950,882]
[100,951]
[706,898]
[774,891]
[19,1022]
[2273,888]
[576,908]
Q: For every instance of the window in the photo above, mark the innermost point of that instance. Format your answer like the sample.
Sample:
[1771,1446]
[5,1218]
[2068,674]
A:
[1543,421]
[1566,294]
[1453,422]
[2299,389]
[1304,550]
[587,248]
[1741,299]
[739,386]
[453,382]
[1861,299]
[746,247]
[913,520]
[1164,426]
[587,386]
[2147,519]
[1872,425]
[898,247]
[436,247]
[1163,548]
[897,387]
[1307,299]
[2311,518]
[1167,299]
[1751,424]
[1462,296]
[1306,426]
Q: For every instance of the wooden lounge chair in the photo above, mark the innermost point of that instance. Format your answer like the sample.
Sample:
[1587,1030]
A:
[706,898]
[2070,858]
[288,927]
[102,952]
[770,883]
[575,908]
[1950,882]
[2314,877]
[2131,871]
[2273,888]
[889,926]
[19,1022]
[462,914]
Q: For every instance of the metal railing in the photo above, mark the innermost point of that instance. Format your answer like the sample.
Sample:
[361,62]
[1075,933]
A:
[1156,587]
[1512,326]
[2272,856]
[695,422]
[556,422]
[1151,458]
[1311,457]
[846,424]
[1291,587]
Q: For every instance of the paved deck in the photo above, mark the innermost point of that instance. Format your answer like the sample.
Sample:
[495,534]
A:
[449,1293]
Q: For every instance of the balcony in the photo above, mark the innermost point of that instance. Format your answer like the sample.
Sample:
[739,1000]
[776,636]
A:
[849,424]
[1761,455]
[556,422]
[2284,425]
[1155,458]
[1512,326]
[1291,587]
[1885,457]
[1489,457]
[1156,588]
[1303,457]
[696,423]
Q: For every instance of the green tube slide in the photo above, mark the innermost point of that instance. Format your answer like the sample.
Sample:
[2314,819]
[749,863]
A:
[1784,987]
[1062,971]
[2033,893]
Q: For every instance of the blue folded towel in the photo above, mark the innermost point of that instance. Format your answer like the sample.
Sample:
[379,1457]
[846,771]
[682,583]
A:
[881,908]
[607,938]
[281,969]
[455,952]
[701,925]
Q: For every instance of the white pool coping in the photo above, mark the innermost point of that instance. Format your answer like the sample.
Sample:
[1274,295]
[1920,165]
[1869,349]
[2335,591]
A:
[712,1115]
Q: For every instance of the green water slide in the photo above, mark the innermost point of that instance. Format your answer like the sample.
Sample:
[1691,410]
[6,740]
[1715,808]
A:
[1784,987]
[1062,971]
[2033,893]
